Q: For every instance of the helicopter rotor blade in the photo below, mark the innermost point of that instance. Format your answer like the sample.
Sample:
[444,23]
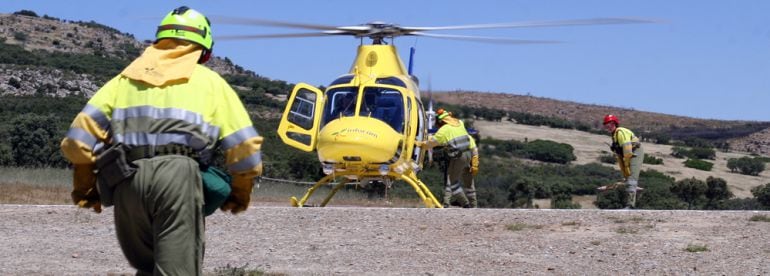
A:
[290,35]
[487,39]
[530,24]
[265,22]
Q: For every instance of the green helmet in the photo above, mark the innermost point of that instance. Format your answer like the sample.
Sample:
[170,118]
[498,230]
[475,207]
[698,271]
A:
[188,24]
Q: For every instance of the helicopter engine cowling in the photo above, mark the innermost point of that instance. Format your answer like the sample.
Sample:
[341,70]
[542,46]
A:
[359,140]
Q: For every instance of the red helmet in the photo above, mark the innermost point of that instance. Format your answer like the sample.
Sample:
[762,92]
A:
[611,118]
[441,113]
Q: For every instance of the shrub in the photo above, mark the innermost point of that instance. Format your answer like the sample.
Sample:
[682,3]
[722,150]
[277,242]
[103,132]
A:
[696,248]
[561,196]
[741,204]
[762,194]
[716,193]
[652,160]
[609,158]
[690,190]
[26,13]
[522,192]
[746,165]
[549,151]
[695,153]
[20,36]
[698,164]
[762,218]
[702,153]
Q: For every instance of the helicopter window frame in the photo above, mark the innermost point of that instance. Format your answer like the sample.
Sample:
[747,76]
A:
[331,108]
[302,109]
[369,107]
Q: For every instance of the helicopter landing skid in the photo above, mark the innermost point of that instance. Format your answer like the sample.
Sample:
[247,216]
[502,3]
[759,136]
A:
[422,190]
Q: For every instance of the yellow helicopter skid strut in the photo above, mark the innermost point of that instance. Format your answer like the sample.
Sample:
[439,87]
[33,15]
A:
[422,190]
[301,202]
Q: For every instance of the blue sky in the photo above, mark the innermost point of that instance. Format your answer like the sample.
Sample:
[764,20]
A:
[710,59]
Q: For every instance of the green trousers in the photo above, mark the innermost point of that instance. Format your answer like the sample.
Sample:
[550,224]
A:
[158,217]
[633,180]
[458,179]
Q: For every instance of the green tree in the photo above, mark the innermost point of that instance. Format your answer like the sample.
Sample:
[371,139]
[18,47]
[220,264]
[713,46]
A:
[746,165]
[612,199]
[6,156]
[549,151]
[762,194]
[34,141]
[561,196]
[657,192]
[716,193]
[522,192]
[690,190]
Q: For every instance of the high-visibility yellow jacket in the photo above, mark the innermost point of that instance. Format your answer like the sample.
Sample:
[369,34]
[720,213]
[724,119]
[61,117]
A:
[195,114]
[627,141]
[454,135]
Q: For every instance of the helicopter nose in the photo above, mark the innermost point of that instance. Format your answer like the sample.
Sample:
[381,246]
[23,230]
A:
[357,140]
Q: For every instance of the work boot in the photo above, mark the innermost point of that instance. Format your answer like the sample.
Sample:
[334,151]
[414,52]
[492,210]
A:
[467,206]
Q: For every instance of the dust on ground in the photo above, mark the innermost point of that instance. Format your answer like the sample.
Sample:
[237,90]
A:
[64,240]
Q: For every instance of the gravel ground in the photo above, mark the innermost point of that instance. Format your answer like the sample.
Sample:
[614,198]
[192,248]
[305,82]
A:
[62,240]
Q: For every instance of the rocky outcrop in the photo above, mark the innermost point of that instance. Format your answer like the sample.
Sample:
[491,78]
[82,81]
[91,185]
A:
[758,142]
[27,81]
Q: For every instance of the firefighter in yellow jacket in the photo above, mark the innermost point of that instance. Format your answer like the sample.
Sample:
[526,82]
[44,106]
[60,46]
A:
[463,156]
[169,113]
[629,153]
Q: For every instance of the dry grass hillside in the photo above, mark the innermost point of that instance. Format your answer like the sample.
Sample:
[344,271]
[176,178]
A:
[588,148]
[758,142]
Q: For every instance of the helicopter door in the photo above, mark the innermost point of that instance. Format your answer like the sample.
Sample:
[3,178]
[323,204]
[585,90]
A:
[299,123]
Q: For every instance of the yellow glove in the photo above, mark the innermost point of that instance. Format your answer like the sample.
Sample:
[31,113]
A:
[84,193]
[475,165]
[623,166]
[240,196]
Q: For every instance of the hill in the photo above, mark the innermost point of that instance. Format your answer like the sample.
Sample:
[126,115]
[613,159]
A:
[50,66]
[747,136]
[47,56]
[588,148]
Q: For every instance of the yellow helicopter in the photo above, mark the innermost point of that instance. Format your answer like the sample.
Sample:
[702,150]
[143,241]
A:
[365,125]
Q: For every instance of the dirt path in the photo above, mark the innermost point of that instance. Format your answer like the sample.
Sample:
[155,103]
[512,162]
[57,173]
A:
[61,240]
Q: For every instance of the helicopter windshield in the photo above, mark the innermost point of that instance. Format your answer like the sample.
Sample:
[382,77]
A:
[339,102]
[385,104]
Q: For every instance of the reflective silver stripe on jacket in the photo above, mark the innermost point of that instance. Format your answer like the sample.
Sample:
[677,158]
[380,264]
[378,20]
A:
[99,117]
[123,114]
[461,143]
[238,137]
[246,163]
[81,135]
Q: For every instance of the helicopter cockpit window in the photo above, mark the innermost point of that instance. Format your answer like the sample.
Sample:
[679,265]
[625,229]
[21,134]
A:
[302,109]
[339,102]
[342,80]
[385,104]
[391,81]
